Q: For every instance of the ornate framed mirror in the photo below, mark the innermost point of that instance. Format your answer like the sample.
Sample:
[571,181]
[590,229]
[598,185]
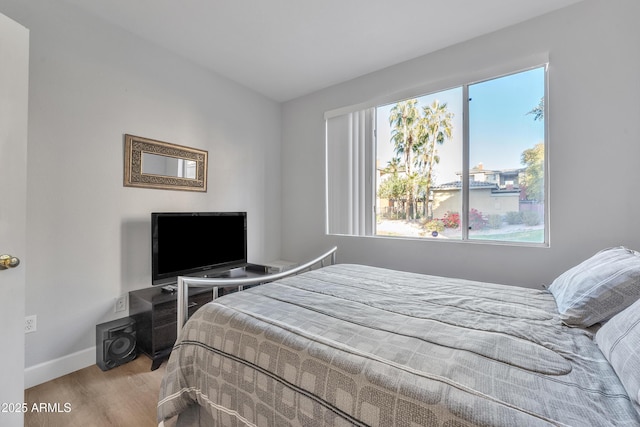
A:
[155,164]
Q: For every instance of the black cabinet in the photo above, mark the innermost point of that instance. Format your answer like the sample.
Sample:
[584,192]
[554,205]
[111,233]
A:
[156,314]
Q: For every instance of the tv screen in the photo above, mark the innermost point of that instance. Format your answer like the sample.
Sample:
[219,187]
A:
[196,243]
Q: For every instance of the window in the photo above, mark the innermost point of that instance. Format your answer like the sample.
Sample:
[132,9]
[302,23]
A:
[467,163]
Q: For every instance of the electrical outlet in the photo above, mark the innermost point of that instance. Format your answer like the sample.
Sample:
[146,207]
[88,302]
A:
[121,303]
[30,324]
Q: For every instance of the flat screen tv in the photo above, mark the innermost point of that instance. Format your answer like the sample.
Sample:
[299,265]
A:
[196,244]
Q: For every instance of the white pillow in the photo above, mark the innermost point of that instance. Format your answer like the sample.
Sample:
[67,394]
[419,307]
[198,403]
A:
[598,288]
[619,341]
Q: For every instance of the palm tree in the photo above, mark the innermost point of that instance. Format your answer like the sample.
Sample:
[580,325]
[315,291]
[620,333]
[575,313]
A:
[404,118]
[394,166]
[436,127]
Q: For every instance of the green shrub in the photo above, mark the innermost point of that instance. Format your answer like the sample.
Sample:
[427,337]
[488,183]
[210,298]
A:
[434,225]
[494,221]
[530,218]
[513,218]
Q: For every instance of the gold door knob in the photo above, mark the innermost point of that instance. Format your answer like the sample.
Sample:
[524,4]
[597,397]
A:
[8,261]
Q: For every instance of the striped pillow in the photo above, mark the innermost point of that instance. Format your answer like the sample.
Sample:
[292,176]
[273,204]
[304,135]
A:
[598,288]
[618,340]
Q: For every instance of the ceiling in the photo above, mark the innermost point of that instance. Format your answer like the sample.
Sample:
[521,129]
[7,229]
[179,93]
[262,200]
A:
[288,48]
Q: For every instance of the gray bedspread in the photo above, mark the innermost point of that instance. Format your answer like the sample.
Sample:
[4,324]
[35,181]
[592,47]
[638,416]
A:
[354,345]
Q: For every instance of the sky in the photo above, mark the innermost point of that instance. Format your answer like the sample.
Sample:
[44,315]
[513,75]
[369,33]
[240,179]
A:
[500,128]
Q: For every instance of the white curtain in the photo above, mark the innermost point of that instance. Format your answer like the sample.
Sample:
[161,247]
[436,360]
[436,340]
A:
[349,139]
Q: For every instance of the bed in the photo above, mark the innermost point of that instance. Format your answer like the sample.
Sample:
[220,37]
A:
[355,345]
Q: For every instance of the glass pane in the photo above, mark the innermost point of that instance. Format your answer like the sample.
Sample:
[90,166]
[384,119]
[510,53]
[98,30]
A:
[156,164]
[506,158]
[418,166]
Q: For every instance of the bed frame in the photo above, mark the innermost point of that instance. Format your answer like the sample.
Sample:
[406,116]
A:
[185,282]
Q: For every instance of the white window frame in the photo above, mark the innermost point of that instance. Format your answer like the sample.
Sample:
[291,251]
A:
[463,81]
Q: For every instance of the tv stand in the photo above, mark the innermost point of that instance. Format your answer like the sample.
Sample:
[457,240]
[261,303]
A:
[155,311]
[236,272]
[169,288]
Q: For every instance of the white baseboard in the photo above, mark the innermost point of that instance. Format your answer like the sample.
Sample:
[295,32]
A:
[53,369]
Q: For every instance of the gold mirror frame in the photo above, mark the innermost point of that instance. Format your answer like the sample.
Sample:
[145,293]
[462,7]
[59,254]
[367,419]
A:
[134,176]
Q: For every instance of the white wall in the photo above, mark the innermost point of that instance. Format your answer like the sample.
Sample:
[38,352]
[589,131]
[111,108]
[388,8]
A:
[88,237]
[594,132]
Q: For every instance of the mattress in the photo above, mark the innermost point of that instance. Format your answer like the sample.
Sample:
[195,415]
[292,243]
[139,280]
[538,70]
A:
[353,345]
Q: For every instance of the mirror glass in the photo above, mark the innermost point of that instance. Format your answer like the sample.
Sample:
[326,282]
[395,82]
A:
[155,164]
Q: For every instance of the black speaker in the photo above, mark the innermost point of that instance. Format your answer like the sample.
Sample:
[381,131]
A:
[115,343]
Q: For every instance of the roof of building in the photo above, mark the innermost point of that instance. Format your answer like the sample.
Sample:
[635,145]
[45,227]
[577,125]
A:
[475,185]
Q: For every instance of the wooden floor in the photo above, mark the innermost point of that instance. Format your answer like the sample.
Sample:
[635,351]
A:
[123,396]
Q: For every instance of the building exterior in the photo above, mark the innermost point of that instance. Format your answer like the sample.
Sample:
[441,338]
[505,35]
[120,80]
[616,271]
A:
[491,192]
